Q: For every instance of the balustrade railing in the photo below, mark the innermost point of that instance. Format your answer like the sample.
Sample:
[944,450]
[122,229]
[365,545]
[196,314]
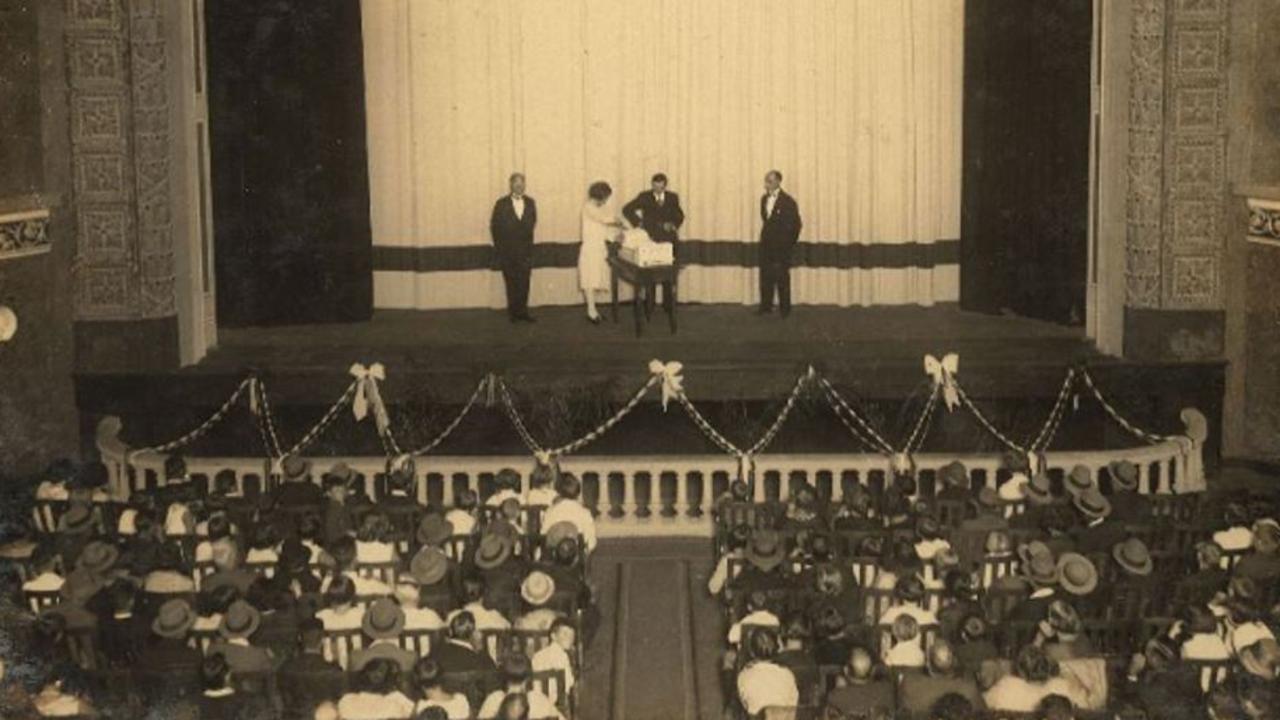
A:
[673,494]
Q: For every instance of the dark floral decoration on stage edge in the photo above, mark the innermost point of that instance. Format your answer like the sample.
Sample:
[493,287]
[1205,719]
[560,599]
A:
[24,236]
[1264,222]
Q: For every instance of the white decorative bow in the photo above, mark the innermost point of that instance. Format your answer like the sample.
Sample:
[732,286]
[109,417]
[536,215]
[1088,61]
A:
[543,457]
[943,373]
[672,381]
[367,396]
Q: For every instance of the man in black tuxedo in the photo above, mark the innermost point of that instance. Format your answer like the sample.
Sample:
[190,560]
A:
[780,229]
[658,212]
[511,225]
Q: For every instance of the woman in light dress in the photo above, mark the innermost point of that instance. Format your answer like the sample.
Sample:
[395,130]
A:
[600,225]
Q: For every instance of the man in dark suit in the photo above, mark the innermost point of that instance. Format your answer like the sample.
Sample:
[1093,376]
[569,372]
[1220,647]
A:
[778,235]
[918,691]
[169,668]
[657,211]
[307,679]
[511,226]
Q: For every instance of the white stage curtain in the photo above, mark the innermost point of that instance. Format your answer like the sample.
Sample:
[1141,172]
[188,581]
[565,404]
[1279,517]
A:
[857,102]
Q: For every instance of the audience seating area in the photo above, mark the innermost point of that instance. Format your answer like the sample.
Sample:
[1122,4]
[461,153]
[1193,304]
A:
[1044,597]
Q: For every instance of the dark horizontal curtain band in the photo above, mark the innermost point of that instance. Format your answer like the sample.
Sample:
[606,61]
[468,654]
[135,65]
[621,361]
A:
[709,253]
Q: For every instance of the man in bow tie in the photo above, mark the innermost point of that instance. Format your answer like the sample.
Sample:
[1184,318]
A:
[511,225]
[657,211]
[779,231]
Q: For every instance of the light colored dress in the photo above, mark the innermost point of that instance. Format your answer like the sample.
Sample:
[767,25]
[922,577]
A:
[593,255]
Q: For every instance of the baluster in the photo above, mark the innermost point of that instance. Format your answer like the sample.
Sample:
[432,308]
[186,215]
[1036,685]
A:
[651,496]
[757,487]
[628,508]
[680,507]
[1144,474]
[447,498]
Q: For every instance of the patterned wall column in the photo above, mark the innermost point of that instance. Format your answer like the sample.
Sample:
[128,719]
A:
[120,137]
[1177,179]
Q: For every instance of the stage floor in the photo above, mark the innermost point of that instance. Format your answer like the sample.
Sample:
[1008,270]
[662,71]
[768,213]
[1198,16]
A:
[744,353]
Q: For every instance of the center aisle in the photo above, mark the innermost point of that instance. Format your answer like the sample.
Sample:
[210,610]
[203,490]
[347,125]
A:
[656,653]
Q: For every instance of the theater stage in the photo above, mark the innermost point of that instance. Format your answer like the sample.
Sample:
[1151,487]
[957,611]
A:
[875,355]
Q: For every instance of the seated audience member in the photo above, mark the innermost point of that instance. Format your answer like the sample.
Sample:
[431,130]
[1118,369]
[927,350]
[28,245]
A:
[264,544]
[311,535]
[416,617]
[122,633]
[486,618]
[954,478]
[1136,583]
[1263,564]
[542,491]
[1162,686]
[970,537]
[929,540]
[293,570]
[1207,580]
[1236,533]
[229,569]
[855,512]
[764,570]
[803,510]
[515,676]
[343,553]
[57,478]
[1038,494]
[221,701]
[399,502]
[435,576]
[462,516]
[239,623]
[1127,504]
[375,694]
[296,489]
[568,507]
[75,532]
[217,530]
[340,611]
[833,636]
[1079,480]
[536,591]
[920,692]
[833,585]
[735,549]
[758,615]
[1035,676]
[858,692]
[64,694]
[1061,634]
[307,680]
[375,541]
[500,572]
[170,574]
[762,682]
[1056,707]
[953,706]
[506,486]
[1196,633]
[559,653]
[44,565]
[383,622]
[1100,532]
[169,668]
[959,600]
[428,681]
[796,655]
[1041,573]
[904,648]
[1077,575]
[211,605]
[458,654]
[336,513]
[908,599]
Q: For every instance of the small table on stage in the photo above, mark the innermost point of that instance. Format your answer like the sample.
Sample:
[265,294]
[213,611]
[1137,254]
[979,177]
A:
[646,279]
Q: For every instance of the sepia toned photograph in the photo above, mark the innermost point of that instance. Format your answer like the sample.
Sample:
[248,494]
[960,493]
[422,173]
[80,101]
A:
[640,359]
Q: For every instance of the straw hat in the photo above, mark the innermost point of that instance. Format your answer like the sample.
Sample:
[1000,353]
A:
[1037,490]
[428,566]
[954,474]
[77,518]
[494,549]
[174,620]
[294,467]
[537,588]
[559,532]
[98,557]
[1076,574]
[1124,475]
[766,550]
[1079,479]
[1132,555]
[341,470]
[383,620]
[1092,503]
[239,621]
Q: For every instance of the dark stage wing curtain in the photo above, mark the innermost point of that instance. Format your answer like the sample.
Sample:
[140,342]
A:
[1024,212]
[289,165]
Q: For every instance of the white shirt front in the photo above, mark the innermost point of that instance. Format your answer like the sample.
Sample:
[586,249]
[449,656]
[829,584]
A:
[907,654]
[660,198]
[464,523]
[421,619]
[44,582]
[769,203]
[1205,646]
[517,204]
[766,684]
[544,495]
[371,706]
[486,618]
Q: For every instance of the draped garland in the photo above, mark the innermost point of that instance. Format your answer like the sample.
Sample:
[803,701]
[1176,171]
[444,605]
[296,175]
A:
[364,398]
